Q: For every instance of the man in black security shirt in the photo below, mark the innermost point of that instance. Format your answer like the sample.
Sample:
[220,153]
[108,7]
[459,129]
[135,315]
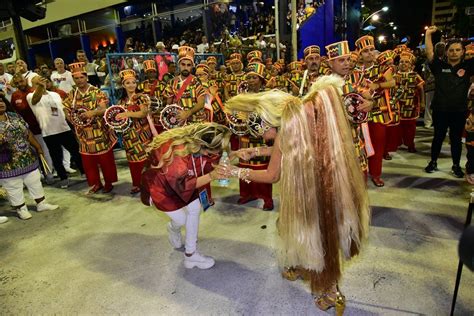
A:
[449,103]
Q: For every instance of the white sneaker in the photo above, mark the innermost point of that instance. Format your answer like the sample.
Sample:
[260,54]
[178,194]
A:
[198,260]
[70,170]
[43,206]
[23,212]
[3,219]
[174,237]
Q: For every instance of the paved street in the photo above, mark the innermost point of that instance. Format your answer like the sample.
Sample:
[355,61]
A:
[109,254]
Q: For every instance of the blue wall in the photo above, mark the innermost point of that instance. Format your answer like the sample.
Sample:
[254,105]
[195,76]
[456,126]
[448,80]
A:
[320,28]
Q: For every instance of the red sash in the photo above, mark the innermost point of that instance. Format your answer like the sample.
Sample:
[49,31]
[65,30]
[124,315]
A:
[183,87]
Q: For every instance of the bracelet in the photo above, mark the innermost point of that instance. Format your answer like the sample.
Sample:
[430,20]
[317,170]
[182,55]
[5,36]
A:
[244,174]
[241,173]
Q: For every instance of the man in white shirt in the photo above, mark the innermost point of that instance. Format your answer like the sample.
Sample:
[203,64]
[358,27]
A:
[204,46]
[62,78]
[22,68]
[5,79]
[48,109]
[261,44]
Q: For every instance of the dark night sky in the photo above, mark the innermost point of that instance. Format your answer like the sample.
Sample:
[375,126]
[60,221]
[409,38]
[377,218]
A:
[410,16]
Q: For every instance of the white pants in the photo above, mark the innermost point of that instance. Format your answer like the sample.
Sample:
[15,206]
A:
[66,159]
[187,216]
[47,156]
[14,187]
[428,119]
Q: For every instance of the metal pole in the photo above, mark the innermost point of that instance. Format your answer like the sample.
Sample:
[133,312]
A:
[460,264]
[294,40]
[277,28]
[21,47]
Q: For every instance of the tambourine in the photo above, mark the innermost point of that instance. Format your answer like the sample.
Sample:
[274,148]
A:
[110,117]
[169,116]
[237,125]
[352,101]
[77,120]
[243,87]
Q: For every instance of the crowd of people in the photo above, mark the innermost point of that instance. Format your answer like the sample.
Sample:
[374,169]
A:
[320,125]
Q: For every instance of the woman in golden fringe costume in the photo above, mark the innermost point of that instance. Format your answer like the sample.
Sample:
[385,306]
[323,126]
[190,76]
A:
[324,214]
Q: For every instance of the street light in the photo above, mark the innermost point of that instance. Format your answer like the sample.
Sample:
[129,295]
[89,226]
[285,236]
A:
[384,9]
[375,17]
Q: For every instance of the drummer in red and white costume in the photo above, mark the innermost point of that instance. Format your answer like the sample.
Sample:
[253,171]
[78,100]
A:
[96,139]
[138,135]
[255,79]
[339,61]
[411,101]
[381,114]
[155,89]
[213,98]
[186,90]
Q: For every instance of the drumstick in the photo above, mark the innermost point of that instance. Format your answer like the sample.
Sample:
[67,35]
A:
[45,164]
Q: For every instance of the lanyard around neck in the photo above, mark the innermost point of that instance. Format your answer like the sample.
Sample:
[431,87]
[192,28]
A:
[82,94]
[194,166]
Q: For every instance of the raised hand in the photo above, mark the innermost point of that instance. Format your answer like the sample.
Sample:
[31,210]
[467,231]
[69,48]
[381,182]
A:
[432,29]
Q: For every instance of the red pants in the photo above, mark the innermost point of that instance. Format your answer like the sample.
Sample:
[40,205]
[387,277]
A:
[234,142]
[393,138]
[106,162]
[254,189]
[407,133]
[136,168]
[378,137]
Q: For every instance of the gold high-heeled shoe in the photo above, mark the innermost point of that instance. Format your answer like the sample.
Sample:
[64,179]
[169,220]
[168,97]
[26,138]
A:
[290,273]
[328,300]
[340,302]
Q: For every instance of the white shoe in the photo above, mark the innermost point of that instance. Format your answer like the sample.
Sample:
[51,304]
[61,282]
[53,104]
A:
[3,219]
[23,212]
[198,260]
[174,237]
[43,206]
[70,170]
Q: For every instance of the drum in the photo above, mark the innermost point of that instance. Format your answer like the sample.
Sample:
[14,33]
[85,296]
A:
[352,101]
[238,123]
[256,126]
[243,87]
[169,116]
[77,120]
[110,117]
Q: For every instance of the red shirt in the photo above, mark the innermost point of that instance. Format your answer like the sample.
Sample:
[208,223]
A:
[174,186]
[20,105]
[61,93]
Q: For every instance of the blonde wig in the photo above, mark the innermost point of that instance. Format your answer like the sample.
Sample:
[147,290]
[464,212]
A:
[190,139]
[324,213]
[268,105]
